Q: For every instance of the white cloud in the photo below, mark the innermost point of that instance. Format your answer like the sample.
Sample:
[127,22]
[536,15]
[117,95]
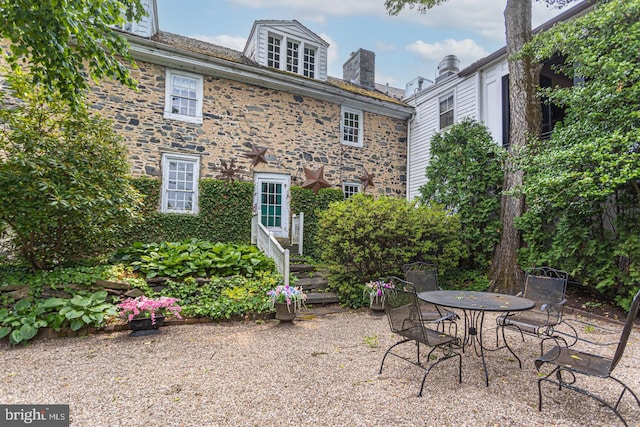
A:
[383,79]
[466,50]
[334,69]
[235,43]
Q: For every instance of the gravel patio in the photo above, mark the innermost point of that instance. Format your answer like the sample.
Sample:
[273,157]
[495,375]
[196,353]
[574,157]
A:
[320,371]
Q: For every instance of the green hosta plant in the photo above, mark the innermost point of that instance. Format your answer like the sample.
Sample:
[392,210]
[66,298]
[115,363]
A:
[22,322]
[80,311]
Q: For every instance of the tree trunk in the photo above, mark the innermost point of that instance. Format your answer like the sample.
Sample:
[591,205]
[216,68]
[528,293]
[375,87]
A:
[525,119]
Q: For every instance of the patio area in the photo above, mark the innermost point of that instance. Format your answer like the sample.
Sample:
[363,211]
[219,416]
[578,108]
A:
[320,371]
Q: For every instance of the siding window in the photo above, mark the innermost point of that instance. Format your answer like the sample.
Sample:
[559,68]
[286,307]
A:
[351,127]
[293,53]
[180,174]
[350,188]
[183,97]
[446,111]
[309,64]
[273,51]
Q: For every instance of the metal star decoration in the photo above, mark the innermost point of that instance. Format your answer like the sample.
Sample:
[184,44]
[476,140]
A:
[315,180]
[256,155]
[228,170]
[367,180]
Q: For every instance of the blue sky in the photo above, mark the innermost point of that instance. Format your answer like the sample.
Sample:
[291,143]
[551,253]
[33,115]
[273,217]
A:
[406,46]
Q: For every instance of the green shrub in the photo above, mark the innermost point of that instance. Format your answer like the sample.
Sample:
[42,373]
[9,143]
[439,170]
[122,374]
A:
[63,174]
[465,175]
[366,238]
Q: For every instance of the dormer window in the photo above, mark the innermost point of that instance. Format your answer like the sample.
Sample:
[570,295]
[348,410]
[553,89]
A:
[288,46]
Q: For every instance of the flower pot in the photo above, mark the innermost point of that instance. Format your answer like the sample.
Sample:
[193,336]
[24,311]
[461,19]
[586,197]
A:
[285,313]
[377,306]
[143,326]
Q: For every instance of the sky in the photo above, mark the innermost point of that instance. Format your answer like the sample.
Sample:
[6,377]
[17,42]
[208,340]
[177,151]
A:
[406,46]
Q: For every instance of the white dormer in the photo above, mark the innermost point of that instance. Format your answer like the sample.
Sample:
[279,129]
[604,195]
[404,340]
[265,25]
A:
[288,46]
[148,25]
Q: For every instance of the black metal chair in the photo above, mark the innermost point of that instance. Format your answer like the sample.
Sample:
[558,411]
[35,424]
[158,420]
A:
[403,312]
[569,363]
[424,277]
[547,287]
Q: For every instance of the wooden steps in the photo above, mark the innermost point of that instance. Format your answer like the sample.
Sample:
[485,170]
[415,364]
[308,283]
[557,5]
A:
[313,281]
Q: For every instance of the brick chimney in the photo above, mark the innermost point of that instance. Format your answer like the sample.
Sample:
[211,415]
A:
[360,68]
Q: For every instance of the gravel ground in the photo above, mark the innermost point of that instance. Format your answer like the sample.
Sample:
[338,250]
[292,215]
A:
[320,371]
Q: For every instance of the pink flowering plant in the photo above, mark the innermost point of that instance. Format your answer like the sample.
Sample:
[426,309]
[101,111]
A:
[143,307]
[375,289]
[294,297]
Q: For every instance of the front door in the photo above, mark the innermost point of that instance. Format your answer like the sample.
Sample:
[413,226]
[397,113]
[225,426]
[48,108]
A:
[271,198]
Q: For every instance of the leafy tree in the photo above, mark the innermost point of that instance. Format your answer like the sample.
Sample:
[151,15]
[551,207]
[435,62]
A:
[583,186]
[465,175]
[60,41]
[525,122]
[63,174]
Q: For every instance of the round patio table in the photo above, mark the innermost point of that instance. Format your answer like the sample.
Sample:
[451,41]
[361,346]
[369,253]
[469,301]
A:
[474,305]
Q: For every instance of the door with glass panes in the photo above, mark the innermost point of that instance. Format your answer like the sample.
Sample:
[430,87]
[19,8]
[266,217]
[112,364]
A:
[271,199]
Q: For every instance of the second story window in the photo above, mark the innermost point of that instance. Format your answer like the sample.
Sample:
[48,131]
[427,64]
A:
[309,62]
[446,111]
[183,97]
[273,51]
[293,50]
[351,127]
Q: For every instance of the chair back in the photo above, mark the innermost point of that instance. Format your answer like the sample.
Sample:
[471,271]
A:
[401,307]
[628,325]
[547,287]
[423,275]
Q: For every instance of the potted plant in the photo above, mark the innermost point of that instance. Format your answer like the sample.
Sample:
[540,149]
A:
[145,315]
[375,289]
[286,299]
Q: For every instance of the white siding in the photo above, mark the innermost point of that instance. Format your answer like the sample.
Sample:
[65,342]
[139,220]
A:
[491,81]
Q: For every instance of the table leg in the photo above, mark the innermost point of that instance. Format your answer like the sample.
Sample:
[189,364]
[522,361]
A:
[473,325]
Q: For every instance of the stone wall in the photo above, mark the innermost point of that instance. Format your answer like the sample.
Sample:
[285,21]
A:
[297,131]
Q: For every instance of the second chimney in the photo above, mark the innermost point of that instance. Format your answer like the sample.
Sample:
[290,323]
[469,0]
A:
[360,68]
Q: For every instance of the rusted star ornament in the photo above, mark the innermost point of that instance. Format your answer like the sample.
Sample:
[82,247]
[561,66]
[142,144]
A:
[367,180]
[228,171]
[256,155]
[315,180]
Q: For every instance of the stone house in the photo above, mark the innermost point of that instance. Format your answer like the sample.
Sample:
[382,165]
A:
[480,92]
[270,115]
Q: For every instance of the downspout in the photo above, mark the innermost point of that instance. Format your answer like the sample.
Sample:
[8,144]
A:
[409,124]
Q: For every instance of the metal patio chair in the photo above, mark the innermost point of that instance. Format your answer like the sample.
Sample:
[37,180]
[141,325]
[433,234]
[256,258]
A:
[424,277]
[570,364]
[547,287]
[403,312]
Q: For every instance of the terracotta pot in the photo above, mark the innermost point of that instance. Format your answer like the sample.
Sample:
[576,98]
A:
[377,306]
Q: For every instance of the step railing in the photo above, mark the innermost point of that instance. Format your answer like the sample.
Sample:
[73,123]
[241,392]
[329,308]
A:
[267,243]
[297,231]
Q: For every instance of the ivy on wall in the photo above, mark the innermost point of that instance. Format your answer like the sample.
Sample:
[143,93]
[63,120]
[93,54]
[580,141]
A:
[225,214]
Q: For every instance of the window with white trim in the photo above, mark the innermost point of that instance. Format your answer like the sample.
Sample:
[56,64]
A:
[180,174]
[293,54]
[350,188]
[446,111]
[351,127]
[309,62]
[273,51]
[183,96]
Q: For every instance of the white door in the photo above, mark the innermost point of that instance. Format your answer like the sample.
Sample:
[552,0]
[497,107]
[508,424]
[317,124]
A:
[271,198]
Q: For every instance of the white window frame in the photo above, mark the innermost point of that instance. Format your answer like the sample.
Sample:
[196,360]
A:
[164,196]
[343,128]
[451,109]
[276,50]
[309,66]
[348,187]
[293,58]
[168,114]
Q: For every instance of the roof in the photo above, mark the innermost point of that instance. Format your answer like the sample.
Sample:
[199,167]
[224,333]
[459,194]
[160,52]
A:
[564,16]
[226,54]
